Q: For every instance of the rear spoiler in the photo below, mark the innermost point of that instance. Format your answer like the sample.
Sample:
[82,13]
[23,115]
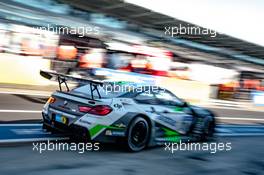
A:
[63,78]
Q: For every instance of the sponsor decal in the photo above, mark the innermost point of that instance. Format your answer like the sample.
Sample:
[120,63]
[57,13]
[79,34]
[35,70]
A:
[118,133]
[108,132]
[120,125]
[114,133]
[118,106]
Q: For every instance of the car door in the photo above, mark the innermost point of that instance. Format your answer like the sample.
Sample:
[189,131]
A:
[172,112]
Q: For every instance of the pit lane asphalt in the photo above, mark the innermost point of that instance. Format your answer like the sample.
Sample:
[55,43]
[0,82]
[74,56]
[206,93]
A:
[245,157]
[26,107]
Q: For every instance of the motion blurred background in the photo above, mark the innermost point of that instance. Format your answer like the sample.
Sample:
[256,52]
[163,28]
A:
[134,40]
[118,40]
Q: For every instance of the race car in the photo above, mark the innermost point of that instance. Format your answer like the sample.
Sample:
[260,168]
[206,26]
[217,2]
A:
[137,115]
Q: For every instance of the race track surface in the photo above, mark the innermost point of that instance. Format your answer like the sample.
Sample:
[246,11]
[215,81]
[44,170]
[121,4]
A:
[246,157]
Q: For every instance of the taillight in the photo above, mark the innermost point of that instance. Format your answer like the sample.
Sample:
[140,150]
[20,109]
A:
[85,109]
[51,100]
[96,110]
[101,110]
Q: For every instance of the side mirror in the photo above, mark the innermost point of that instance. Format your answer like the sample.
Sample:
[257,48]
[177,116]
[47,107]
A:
[185,104]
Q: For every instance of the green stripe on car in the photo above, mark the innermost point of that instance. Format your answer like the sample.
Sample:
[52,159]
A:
[97,128]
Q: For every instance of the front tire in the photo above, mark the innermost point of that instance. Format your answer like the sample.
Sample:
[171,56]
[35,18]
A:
[138,134]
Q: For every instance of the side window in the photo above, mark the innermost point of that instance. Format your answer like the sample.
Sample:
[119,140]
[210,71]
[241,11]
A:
[167,98]
[146,97]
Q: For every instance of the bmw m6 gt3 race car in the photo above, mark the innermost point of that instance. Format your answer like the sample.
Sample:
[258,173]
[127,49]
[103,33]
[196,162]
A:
[139,118]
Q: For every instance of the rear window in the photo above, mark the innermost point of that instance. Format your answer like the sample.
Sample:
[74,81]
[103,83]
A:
[104,91]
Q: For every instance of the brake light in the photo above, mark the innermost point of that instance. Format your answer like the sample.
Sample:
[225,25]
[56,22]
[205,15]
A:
[85,109]
[51,100]
[101,110]
[96,110]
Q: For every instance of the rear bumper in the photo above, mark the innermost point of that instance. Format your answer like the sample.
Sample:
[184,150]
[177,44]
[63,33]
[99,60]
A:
[80,132]
[73,130]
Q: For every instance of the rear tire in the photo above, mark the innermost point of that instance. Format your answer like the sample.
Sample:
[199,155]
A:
[138,134]
[46,127]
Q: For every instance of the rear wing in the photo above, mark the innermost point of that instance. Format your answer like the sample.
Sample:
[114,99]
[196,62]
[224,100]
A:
[63,79]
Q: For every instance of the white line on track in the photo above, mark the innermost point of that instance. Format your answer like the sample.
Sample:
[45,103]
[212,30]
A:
[231,108]
[223,130]
[240,118]
[45,94]
[19,111]
[22,124]
[239,126]
[238,134]
[32,139]
[28,131]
